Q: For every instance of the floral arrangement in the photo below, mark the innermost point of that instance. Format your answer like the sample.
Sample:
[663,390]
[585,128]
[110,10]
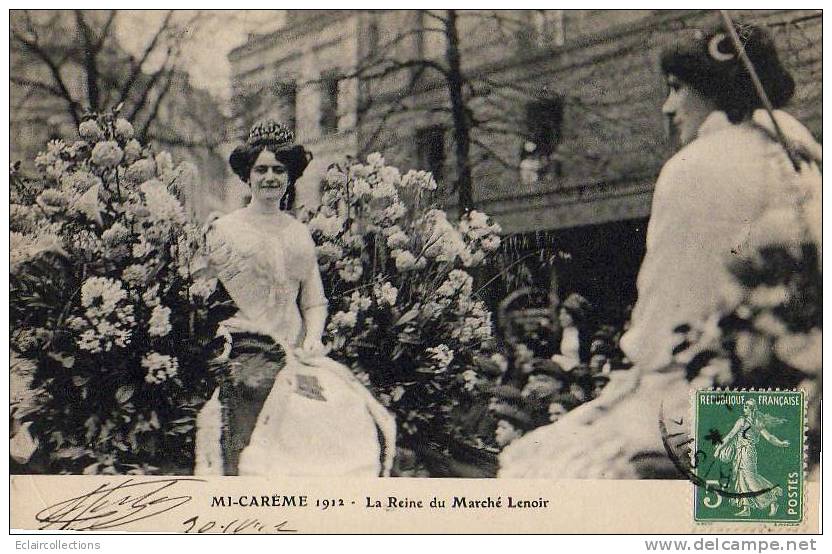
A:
[403,309]
[109,329]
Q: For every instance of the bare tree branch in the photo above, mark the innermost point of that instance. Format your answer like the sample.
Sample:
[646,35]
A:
[136,65]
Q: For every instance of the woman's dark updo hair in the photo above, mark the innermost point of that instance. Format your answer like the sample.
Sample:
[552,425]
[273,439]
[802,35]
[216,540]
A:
[278,139]
[709,63]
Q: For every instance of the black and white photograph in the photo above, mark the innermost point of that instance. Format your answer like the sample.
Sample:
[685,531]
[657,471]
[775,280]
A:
[407,243]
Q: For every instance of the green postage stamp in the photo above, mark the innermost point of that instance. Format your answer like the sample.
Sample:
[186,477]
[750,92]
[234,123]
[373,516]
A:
[749,457]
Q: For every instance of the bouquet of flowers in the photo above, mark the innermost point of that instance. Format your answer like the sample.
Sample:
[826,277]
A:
[110,332]
[404,312]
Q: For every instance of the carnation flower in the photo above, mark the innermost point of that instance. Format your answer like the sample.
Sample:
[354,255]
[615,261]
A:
[335,176]
[107,154]
[421,180]
[350,269]
[395,211]
[132,151]
[329,250]
[361,187]
[142,248]
[159,323]
[441,355]
[384,190]
[163,206]
[100,295]
[390,174]
[164,162]
[386,293]
[490,243]
[359,302]
[90,131]
[160,367]
[345,319]
[140,171]
[117,233]
[328,226]
[80,181]
[375,160]
[124,130]
[52,201]
[404,259]
[458,282]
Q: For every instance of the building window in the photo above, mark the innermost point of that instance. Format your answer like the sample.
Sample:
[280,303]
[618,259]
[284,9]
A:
[329,103]
[544,128]
[430,150]
[547,28]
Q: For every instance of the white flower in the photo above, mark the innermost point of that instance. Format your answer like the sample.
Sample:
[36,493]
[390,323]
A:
[357,171]
[80,181]
[386,293]
[390,174]
[404,260]
[376,160]
[398,240]
[164,162]
[361,187]
[124,130]
[395,211]
[132,151]
[359,302]
[350,269]
[329,250]
[441,355]
[159,323]
[163,206]
[151,296]
[345,319]
[90,131]
[142,248]
[117,233]
[89,341]
[418,179]
[107,154]
[160,367]
[328,226]
[490,243]
[100,296]
[140,171]
[52,201]
[458,282]
[335,176]
[384,190]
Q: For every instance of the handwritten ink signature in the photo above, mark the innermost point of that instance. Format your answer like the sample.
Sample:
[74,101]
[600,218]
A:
[111,505]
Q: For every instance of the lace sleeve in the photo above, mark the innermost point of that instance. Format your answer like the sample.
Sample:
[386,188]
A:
[312,288]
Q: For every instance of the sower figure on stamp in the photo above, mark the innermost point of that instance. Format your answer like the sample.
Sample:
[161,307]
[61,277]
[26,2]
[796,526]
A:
[740,449]
[718,195]
[283,408]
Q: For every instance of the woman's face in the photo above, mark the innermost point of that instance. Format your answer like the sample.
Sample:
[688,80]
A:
[269,178]
[686,108]
[748,408]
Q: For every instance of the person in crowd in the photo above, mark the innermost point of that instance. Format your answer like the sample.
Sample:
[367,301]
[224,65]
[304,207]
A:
[575,322]
[714,198]
[283,407]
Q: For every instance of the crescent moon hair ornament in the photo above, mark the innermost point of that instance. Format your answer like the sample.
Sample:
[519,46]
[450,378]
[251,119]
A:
[713,48]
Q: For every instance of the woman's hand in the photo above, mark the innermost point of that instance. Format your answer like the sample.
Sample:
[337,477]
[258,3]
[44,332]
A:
[311,348]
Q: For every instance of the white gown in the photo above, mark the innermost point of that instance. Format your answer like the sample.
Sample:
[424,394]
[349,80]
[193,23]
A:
[318,419]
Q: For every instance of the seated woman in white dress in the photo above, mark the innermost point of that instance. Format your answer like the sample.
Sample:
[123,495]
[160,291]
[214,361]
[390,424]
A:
[714,198]
[283,407]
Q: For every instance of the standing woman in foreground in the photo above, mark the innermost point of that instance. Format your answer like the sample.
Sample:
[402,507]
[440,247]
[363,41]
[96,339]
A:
[283,408]
[716,197]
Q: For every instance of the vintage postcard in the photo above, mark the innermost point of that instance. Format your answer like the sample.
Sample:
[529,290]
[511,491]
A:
[415,271]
